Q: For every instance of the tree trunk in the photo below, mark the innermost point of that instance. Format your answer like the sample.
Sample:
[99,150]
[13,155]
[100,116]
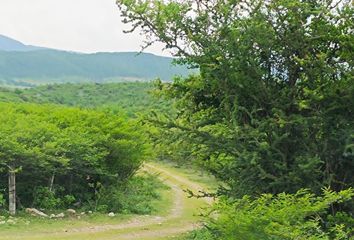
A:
[12,192]
[51,182]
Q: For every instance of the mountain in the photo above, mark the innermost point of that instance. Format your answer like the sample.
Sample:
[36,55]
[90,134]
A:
[9,44]
[23,65]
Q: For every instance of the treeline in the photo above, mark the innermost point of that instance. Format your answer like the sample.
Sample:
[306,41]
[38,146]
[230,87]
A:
[270,114]
[133,98]
[31,68]
[38,185]
[53,157]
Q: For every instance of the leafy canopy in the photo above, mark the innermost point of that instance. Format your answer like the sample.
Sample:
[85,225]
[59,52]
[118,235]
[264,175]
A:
[79,148]
[272,107]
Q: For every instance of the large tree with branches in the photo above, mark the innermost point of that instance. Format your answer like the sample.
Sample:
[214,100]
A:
[273,106]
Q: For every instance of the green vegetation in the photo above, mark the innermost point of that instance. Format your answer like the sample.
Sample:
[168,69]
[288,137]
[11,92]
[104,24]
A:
[65,155]
[135,197]
[286,216]
[125,195]
[269,114]
[134,98]
[32,68]
[271,110]
[98,226]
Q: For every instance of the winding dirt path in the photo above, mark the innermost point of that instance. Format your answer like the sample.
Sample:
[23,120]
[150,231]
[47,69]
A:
[181,217]
[178,184]
[145,227]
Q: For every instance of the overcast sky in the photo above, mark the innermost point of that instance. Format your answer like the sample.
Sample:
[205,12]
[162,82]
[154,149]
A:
[75,25]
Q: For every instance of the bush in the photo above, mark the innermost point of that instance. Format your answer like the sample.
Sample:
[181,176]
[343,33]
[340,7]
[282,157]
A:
[284,216]
[71,147]
[202,234]
[67,200]
[44,198]
[135,196]
[2,200]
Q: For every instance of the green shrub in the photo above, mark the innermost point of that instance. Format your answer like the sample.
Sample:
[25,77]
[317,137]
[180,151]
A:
[301,216]
[70,146]
[67,200]
[202,234]
[102,208]
[44,198]
[2,200]
[135,196]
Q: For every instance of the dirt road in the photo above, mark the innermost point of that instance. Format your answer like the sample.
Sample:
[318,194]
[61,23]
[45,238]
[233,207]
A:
[182,216]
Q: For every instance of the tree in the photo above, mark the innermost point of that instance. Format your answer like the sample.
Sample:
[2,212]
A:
[17,132]
[272,107]
[68,147]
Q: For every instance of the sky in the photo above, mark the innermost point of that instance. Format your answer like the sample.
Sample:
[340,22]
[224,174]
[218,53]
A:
[74,25]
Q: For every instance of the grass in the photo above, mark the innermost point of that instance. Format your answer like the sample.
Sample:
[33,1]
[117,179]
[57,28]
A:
[189,216]
[30,228]
[27,225]
[38,228]
[191,173]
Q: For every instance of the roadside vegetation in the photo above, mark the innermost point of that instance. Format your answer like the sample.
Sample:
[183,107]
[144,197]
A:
[63,156]
[175,214]
[56,177]
[270,114]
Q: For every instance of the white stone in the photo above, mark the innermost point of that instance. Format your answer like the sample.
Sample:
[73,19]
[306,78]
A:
[35,212]
[111,214]
[60,215]
[71,211]
[10,221]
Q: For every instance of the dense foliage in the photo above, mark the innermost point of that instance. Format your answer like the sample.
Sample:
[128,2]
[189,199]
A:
[133,98]
[286,216]
[64,155]
[270,114]
[273,106]
[136,196]
[272,109]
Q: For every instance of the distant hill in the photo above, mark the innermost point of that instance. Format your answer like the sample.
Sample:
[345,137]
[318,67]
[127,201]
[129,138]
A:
[30,66]
[9,44]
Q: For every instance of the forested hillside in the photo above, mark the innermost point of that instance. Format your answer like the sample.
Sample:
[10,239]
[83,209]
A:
[133,98]
[49,66]
[23,65]
[9,44]
[268,111]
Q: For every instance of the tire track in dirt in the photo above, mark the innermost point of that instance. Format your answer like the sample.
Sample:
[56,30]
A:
[152,226]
